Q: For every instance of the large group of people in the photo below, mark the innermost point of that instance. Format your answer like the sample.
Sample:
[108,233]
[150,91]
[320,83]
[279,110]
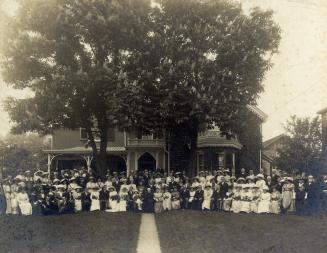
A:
[75,190]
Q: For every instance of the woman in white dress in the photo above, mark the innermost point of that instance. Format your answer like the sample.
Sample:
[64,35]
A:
[207,197]
[255,199]
[264,201]
[236,203]
[24,202]
[13,199]
[95,198]
[246,198]
[113,200]
[7,191]
[77,194]
[275,201]
[166,199]
[123,195]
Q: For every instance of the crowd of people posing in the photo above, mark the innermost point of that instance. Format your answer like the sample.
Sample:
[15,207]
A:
[70,191]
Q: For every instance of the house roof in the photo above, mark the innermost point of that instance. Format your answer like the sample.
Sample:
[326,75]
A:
[258,112]
[322,110]
[267,143]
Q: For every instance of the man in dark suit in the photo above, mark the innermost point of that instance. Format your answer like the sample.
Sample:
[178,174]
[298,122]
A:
[311,196]
[223,189]
[243,173]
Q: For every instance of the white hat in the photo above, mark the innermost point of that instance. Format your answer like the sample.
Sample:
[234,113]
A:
[260,175]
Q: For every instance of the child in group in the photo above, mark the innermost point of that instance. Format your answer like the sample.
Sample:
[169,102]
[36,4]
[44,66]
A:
[236,203]
[166,199]
[264,200]
[246,198]
[275,201]
[158,200]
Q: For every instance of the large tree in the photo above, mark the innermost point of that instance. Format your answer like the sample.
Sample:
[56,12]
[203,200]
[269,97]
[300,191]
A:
[202,62]
[70,54]
[302,146]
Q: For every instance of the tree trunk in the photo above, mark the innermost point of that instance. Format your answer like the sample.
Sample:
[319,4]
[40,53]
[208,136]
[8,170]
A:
[103,152]
[193,151]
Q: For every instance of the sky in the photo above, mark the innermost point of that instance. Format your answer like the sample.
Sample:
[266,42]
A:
[297,82]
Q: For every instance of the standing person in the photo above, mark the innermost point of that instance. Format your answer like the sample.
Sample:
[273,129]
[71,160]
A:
[86,200]
[158,200]
[148,202]
[77,196]
[223,189]
[288,192]
[104,198]
[243,173]
[95,198]
[3,204]
[236,202]
[198,197]
[275,201]
[323,194]
[185,195]
[255,199]
[7,193]
[175,199]
[300,200]
[207,197]
[123,199]
[246,198]
[191,201]
[264,201]
[311,196]
[227,203]
[24,202]
[13,199]
[113,200]
[261,183]
[166,199]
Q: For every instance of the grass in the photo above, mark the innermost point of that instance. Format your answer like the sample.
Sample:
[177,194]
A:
[194,231]
[83,232]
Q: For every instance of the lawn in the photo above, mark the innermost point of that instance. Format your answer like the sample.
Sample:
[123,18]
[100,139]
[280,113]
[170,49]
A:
[83,232]
[194,231]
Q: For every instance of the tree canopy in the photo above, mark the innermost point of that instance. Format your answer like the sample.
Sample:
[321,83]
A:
[144,64]
[302,146]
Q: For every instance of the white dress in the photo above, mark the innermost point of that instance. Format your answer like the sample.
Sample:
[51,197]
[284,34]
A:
[166,201]
[264,203]
[236,203]
[113,202]
[77,201]
[122,205]
[246,198]
[207,194]
[24,203]
[95,202]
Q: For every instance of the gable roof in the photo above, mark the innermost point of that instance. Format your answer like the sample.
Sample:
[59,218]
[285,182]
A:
[258,112]
[267,143]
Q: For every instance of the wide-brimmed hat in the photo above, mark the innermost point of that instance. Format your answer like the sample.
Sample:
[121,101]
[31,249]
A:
[241,179]
[260,176]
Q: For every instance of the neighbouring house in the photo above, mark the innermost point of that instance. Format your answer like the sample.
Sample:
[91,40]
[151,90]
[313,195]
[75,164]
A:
[270,152]
[131,151]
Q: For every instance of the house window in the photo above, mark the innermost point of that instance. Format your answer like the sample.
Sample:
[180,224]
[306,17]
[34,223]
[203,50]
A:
[111,134]
[84,135]
[201,161]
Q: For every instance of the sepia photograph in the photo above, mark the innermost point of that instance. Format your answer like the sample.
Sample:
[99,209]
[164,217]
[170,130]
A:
[163,126]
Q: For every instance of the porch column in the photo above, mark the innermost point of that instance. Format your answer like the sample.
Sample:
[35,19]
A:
[157,159]
[233,164]
[128,167]
[88,163]
[135,161]
[49,165]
